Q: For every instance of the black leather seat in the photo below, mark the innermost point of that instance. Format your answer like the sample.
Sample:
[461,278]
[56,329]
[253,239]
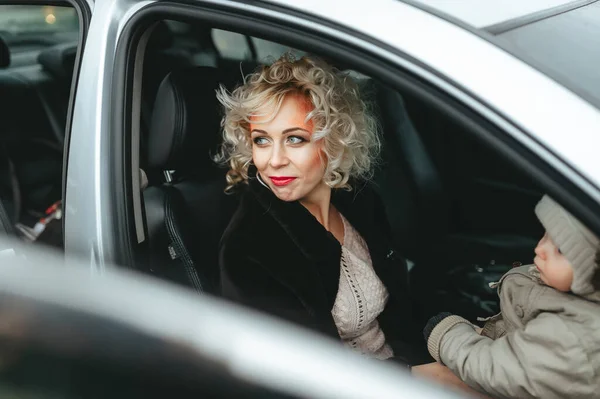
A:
[410,186]
[414,192]
[187,212]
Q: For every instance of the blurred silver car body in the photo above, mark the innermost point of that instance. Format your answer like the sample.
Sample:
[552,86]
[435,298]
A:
[140,323]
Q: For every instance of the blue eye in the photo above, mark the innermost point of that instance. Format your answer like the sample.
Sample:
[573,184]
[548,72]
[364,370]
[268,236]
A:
[260,140]
[296,140]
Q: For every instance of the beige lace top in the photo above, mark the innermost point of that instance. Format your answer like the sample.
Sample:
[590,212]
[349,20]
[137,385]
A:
[360,299]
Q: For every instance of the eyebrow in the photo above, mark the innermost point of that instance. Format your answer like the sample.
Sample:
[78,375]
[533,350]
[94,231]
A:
[258,131]
[293,129]
[286,131]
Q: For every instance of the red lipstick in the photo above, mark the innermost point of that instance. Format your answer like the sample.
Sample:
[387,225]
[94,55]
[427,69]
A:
[281,181]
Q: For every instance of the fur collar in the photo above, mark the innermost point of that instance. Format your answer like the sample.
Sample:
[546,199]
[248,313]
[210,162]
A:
[315,242]
[301,226]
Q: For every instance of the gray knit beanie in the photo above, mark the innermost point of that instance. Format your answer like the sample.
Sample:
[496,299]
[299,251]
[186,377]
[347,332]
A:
[578,244]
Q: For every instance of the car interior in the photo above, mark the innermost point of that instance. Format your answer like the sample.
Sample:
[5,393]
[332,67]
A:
[35,82]
[460,212]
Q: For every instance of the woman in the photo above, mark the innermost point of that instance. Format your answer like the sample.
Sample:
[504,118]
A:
[310,240]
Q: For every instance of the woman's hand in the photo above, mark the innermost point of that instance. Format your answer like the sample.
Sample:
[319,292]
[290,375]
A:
[444,376]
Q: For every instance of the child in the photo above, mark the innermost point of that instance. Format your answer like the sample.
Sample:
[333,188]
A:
[545,343]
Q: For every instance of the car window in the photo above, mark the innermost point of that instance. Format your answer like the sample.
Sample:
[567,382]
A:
[231,45]
[444,157]
[26,28]
[235,46]
[40,44]
[268,51]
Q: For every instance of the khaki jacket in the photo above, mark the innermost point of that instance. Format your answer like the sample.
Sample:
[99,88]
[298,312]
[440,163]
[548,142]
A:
[543,344]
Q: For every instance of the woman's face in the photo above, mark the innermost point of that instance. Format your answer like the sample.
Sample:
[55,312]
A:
[286,157]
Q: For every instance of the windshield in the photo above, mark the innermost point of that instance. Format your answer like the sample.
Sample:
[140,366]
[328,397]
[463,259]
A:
[27,27]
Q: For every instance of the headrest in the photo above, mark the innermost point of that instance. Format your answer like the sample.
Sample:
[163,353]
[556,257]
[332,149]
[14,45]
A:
[4,54]
[186,119]
[59,60]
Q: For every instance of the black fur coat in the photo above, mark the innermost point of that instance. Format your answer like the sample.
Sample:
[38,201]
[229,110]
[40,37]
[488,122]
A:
[275,256]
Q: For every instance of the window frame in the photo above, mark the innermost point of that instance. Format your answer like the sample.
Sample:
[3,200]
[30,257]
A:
[366,55]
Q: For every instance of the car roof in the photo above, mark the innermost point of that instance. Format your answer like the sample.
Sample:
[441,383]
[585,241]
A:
[558,37]
[481,14]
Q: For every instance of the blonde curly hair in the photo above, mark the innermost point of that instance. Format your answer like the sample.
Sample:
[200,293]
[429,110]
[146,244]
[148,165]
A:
[340,118]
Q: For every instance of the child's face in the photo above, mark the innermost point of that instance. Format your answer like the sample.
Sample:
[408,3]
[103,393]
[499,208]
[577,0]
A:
[555,270]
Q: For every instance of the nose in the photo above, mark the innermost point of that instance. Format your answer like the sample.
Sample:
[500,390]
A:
[278,156]
[539,249]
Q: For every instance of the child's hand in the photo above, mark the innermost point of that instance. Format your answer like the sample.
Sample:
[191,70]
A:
[434,321]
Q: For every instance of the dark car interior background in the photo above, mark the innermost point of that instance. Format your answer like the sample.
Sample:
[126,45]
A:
[40,44]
